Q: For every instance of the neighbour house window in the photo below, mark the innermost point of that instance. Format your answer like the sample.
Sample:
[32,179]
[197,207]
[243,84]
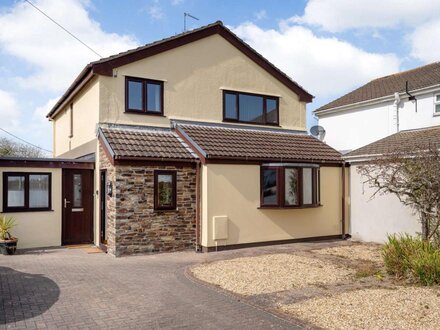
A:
[143,96]
[26,191]
[289,186]
[71,120]
[437,104]
[250,108]
[164,190]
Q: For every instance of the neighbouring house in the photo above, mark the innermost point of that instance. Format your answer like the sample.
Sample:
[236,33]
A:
[384,106]
[372,219]
[191,142]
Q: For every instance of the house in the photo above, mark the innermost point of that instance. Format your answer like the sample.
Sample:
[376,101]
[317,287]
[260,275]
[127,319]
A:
[384,106]
[191,142]
[372,219]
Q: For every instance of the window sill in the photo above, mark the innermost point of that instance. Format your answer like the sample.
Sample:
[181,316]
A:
[27,210]
[160,114]
[436,114]
[274,207]
[249,123]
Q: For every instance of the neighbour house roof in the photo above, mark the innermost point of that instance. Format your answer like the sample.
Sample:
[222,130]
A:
[418,78]
[145,143]
[106,65]
[252,144]
[403,141]
[46,162]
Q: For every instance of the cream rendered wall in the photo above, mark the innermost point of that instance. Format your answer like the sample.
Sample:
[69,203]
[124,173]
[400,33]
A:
[193,76]
[373,219]
[38,229]
[234,191]
[85,119]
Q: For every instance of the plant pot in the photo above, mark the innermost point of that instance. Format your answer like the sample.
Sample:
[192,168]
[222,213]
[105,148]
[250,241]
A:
[8,247]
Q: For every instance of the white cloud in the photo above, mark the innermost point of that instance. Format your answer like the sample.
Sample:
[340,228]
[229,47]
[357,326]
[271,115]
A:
[9,113]
[261,14]
[340,15]
[324,66]
[177,2]
[40,125]
[424,42]
[55,57]
[155,10]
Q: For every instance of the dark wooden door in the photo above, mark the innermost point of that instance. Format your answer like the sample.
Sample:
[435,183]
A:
[77,206]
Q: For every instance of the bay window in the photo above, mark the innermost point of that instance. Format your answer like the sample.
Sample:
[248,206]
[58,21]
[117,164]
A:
[289,186]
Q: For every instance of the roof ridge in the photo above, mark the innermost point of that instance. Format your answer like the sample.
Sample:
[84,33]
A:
[405,71]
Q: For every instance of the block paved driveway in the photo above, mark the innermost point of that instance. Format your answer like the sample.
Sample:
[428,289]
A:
[70,289]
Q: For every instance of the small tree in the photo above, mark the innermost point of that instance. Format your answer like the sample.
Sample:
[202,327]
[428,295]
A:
[414,177]
[11,148]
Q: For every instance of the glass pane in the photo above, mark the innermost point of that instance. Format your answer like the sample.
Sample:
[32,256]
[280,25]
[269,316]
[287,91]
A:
[307,186]
[251,108]
[16,191]
[154,98]
[291,186]
[165,190]
[271,111]
[437,108]
[270,187]
[231,106]
[38,190]
[135,95]
[437,98]
[77,190]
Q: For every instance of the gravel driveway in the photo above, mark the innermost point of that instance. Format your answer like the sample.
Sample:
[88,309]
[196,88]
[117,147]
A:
[68,288]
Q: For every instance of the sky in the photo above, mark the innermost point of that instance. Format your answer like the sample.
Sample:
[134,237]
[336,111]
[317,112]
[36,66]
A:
[329,47]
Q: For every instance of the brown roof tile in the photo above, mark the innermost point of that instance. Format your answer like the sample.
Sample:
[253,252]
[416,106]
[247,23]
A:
[417,78]
[146,144]
[400,142]
[219,142]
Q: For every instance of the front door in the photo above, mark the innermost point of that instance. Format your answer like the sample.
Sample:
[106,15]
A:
[77,207]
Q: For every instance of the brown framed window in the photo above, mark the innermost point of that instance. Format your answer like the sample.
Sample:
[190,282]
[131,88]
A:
[24,192]
[250,108]
[289,186]
[164,190]
[143,96]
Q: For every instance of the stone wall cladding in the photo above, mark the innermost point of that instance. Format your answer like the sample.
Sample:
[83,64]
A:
[134,226]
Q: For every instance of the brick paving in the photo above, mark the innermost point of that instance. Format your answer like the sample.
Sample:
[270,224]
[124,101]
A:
[70,289]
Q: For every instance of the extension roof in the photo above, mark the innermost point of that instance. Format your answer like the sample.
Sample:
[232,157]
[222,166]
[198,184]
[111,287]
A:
[418,78]
[106,65]
[403,141]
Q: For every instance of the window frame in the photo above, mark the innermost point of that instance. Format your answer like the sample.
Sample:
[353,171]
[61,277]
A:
[173,173]
[237,105]
[281,187]
[436,113]
[144,82]
[25,208]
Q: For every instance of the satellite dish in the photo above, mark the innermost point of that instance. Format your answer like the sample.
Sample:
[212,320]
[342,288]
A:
[318,132]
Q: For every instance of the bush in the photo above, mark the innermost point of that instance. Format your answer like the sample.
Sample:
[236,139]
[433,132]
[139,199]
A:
[412,258]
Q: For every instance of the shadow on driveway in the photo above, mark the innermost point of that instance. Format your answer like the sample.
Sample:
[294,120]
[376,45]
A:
[23,295]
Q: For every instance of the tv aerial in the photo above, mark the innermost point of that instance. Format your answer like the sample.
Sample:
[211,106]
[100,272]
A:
[318,132]
[185,15]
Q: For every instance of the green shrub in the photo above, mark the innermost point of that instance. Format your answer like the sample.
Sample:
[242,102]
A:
[412,258]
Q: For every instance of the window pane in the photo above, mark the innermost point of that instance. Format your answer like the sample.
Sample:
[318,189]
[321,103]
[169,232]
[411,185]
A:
[165,190]
[291,186]
[16,191]
[307,186]
[271,111]
[154,99]
[437,108]
[38,190]
[231,106]
[251,108]
[437,98]
[77,190]
[270,187]
[135,95]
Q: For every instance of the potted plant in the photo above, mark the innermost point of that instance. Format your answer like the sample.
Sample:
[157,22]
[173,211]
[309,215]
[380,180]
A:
[8,244]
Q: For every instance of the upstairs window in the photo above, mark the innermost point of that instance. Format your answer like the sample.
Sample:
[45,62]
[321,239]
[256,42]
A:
[143,96]
[250,108]
[289,186]
[437,104]
[26,192]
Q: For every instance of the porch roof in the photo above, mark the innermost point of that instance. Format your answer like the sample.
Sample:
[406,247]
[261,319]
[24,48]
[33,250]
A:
[241,143]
